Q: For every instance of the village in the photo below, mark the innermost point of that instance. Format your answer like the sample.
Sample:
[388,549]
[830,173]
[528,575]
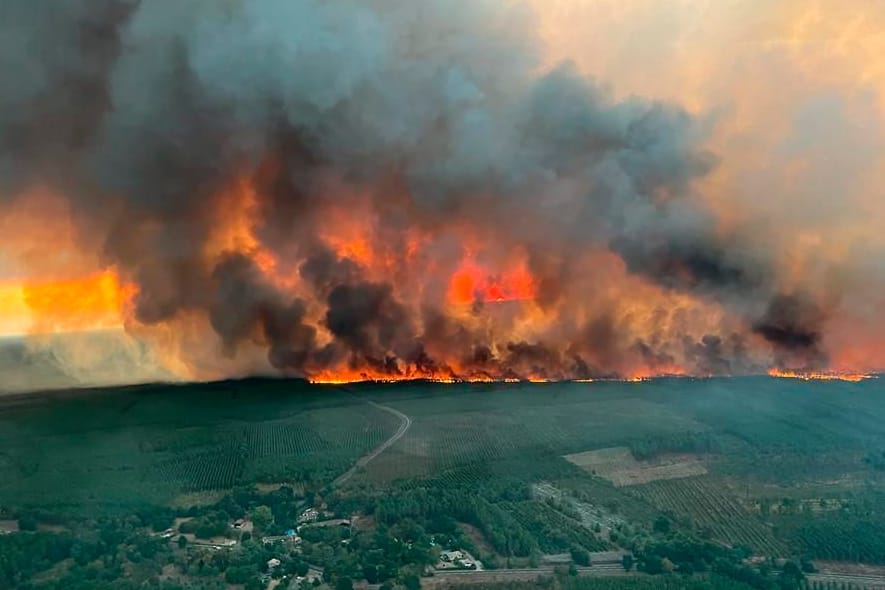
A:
[289,543]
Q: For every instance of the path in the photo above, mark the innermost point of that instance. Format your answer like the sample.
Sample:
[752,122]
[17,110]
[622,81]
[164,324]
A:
[365,459]
[448,578]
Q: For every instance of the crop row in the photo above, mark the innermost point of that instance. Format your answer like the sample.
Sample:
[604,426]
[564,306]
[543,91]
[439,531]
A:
[709,506]
[287,439]
[204,471]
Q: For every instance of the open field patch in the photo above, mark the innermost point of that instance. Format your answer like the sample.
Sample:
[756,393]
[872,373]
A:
[619,466]
[206,498]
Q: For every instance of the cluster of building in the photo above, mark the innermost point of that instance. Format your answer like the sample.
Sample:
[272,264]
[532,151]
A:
[290,536]
[313,574]
[456,559]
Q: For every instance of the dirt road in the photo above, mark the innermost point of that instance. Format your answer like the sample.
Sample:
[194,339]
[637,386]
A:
[452,578]
[405,423]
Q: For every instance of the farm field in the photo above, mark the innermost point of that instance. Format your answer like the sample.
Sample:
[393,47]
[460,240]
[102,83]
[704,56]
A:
[710,507]
[619,466]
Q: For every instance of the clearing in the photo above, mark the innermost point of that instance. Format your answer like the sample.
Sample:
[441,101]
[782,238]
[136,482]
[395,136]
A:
[618,465]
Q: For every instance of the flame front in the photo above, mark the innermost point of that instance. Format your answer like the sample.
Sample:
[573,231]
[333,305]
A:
[820,376]
[471,307]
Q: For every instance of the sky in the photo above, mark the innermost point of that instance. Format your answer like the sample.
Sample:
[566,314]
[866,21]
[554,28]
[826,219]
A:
[795,92]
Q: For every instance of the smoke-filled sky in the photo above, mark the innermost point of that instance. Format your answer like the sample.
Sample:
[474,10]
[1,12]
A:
[450,189]
[796,90]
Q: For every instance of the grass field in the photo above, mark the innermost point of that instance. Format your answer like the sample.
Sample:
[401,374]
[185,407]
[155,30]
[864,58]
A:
[619,466]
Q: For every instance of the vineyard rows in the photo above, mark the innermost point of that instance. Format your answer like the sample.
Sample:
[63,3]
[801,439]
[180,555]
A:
[205,471]
[709,506]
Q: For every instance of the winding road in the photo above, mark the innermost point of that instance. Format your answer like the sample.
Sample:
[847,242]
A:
[405,423]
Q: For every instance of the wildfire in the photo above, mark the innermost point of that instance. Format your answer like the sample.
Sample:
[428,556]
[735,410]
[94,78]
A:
[519,342]
[471,282]
[234,227]
[341,376]
[93,302]
[820,376]
[456,342]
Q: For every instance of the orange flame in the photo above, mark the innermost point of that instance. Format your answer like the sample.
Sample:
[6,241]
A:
[820,376]
[234,227]
[471,282]
[93,302]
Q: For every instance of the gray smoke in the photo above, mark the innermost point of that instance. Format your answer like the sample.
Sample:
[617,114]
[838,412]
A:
[141,112]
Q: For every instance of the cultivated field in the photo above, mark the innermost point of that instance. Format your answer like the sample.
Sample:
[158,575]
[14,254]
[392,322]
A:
[619,466]
[710,506]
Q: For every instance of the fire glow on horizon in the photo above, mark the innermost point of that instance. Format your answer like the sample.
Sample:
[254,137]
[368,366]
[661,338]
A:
[821,376]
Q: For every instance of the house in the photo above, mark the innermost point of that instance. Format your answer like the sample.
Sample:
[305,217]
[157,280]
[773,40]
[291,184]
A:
[314,574]
[239,523]
[451,555]
[214,543]
[309,515]
[273,563]
[457,559]
[287,538]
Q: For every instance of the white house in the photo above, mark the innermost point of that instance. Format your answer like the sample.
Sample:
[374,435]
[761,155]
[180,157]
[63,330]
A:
[451,555]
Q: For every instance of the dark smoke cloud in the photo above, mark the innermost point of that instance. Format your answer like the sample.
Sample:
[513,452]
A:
[56,57]
[141,112]
[246,307]
[325,270]
[792,323]
[367,318]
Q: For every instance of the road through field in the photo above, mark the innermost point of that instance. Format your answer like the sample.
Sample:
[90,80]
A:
[405,423]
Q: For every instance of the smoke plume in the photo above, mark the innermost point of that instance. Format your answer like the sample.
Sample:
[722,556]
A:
[387,189]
